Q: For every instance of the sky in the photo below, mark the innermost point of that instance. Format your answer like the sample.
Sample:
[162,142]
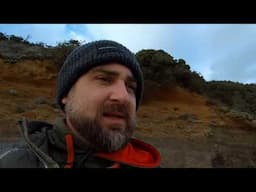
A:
[216,51]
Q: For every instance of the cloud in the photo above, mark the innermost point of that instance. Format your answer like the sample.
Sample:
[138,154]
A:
[47,33]
[135,36]
[234,55]
[238,65]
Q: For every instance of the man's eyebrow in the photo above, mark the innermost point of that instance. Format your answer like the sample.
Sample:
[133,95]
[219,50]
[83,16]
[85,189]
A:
[131,79]
[112,73]
[108,72]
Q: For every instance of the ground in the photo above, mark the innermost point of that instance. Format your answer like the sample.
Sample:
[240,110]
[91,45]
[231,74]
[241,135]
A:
[188,129]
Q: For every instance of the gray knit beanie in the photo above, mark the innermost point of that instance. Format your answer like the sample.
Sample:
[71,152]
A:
[93,54]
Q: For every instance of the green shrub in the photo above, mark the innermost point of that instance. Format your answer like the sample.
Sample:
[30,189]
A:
[16,38]
[160,67]
[3,36]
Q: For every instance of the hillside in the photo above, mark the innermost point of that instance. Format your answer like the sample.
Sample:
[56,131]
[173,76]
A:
[189,129]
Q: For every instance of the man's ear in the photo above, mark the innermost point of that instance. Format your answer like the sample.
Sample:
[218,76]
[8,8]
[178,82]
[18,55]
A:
[64,100]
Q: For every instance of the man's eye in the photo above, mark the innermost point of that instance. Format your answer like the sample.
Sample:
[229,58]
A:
[104,79]
[132,88]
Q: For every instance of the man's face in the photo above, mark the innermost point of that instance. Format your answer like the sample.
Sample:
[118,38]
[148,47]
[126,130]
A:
[101,107]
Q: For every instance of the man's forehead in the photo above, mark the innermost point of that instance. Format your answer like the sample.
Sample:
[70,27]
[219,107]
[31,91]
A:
[115,69]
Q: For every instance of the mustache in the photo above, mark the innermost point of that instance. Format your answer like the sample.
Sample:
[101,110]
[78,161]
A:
[116,108]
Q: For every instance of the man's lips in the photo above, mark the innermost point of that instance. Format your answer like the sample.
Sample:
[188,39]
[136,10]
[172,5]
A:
[115,115]
[114,118]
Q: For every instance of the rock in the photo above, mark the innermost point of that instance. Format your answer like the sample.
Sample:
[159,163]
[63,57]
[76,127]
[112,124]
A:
[188,117]
[40,100]
[56,110]
[253,123]
[51,76]
[175,108]
[20,109]
[184,116]
[13,92]
[224,109]
[54,104]
[241,115]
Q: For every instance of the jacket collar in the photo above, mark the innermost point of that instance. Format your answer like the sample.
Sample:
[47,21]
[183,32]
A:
[137,154]
[58,136]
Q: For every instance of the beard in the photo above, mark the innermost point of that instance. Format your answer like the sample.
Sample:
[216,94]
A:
[94,134]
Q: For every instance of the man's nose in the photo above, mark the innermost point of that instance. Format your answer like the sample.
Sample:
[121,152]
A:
[119,92]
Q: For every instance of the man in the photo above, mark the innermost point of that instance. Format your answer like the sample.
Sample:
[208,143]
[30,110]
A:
[99,89]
